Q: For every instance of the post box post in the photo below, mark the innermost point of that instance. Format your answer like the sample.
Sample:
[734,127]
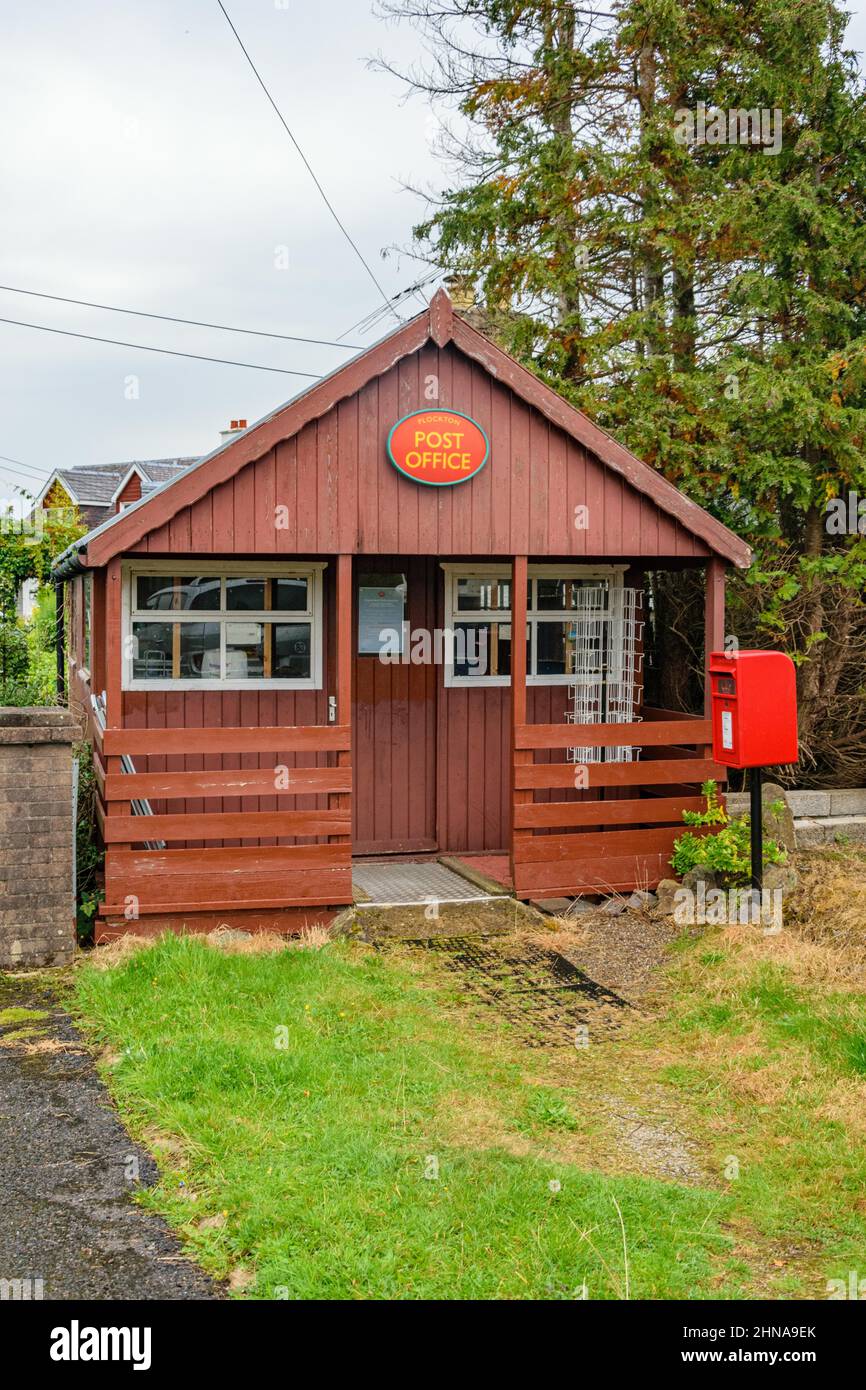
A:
[756,828]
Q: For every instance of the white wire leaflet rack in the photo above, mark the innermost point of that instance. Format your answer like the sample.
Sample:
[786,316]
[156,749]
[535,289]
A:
[608,657]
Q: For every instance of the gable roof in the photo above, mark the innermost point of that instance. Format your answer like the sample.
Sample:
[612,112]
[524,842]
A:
[95,484]
[440,324]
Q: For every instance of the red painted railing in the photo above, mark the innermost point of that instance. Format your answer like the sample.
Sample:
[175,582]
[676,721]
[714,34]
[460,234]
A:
[618,834]
[246,876]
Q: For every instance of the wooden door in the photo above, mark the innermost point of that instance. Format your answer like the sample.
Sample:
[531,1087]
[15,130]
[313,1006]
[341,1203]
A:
[394,711]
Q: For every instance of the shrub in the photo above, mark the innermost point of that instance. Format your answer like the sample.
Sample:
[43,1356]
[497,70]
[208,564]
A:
[88,855]
[28,662]
[14,664]
[727,853]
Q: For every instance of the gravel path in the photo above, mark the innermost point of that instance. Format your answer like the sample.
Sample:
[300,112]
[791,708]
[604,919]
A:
[66,1163]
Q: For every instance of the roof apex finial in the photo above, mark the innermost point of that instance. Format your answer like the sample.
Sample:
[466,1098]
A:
[441,318]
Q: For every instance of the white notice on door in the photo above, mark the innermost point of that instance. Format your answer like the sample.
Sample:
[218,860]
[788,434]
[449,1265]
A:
[727,730]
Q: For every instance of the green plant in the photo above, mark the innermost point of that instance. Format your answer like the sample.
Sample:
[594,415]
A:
[727,853]
[14,663]
[546,1111]
[28,665]
[89,855]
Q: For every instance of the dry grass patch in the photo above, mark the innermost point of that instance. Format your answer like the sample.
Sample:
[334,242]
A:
[846,1105]
[223,938]
[265,943]
[829,907]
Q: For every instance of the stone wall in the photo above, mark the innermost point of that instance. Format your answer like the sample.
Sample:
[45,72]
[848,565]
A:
[37,912]
[836,816]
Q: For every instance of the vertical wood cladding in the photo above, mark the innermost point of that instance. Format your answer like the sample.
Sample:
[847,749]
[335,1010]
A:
[336,491]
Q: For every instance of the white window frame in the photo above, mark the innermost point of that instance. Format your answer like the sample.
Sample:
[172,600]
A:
[311,570]
[454,571]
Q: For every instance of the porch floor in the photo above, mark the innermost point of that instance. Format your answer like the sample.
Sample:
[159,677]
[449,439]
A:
[413,885]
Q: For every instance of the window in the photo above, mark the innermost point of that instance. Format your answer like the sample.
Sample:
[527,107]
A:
[239,626]
[558,598]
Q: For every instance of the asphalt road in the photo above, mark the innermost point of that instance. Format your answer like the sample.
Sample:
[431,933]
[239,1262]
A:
[67,1217]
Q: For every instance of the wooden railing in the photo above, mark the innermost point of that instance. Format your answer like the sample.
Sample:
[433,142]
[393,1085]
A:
[614,839]
[253,876]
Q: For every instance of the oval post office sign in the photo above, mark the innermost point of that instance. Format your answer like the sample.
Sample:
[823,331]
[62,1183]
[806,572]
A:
[438,447]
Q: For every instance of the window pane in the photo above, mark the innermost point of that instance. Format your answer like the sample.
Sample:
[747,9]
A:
[245,595]
[556,595]
[160,592]
[480,593]
[153,653]
[245,651]
[289,595]
[483,649]
[555,649]
[199,651]
[292,651]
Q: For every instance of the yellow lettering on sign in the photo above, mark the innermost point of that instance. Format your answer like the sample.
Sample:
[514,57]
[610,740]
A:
[437,458]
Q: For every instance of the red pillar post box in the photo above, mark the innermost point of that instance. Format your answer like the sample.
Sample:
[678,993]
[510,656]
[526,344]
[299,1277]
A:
[753,699]
[754,708]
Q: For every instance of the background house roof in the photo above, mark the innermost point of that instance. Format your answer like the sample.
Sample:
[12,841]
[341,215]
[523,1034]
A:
[92,486]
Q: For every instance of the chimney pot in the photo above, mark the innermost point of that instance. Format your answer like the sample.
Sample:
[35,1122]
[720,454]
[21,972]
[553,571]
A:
[235,428]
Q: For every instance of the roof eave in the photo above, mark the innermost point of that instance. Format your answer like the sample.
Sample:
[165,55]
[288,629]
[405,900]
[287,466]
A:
[125,529]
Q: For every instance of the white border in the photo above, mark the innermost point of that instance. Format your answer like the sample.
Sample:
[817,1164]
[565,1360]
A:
[311,570]
[454,570]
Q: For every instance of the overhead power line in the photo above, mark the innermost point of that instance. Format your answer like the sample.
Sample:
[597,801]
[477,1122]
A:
[376,315]
[171,318]
[328,204]
[10,481]
[169,352]
[23,468]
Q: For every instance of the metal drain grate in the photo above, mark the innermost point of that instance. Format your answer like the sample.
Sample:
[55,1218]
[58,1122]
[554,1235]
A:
[541,994]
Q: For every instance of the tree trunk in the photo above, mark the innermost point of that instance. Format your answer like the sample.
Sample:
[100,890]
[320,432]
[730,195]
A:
[652,262]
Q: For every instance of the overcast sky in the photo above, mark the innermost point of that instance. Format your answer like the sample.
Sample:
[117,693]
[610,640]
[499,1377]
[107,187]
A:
[142,166]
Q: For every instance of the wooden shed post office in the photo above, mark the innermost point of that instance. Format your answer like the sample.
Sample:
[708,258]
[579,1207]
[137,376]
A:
[304,644]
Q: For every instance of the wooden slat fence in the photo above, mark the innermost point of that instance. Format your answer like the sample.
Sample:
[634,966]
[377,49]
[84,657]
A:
[243,876]
[623,837]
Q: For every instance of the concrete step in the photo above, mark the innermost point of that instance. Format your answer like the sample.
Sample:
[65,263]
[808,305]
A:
[846,801]
[814,831]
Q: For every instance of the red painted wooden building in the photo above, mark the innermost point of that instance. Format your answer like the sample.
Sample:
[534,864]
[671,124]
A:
[234,620]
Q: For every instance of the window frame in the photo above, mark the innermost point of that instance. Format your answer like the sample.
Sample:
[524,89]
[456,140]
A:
[311,570]
[454,571]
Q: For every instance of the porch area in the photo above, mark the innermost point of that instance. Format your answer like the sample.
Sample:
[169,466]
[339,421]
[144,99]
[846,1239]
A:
[254,825]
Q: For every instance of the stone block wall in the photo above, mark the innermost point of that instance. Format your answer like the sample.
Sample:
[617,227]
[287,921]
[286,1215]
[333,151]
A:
[37,912]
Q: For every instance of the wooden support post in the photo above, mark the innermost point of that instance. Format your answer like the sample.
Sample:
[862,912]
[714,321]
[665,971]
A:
[518,692]
[60,641]
[113,666]
[113,646]
[343,661]
[714,619]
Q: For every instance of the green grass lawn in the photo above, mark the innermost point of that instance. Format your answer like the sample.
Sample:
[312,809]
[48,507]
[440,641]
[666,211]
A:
[335,1123]
[332,1129]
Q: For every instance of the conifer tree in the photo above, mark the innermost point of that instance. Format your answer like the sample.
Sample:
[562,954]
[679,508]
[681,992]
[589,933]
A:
[661,205]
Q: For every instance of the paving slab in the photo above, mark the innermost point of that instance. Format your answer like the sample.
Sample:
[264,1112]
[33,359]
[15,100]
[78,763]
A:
[849,801]
[414,884]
